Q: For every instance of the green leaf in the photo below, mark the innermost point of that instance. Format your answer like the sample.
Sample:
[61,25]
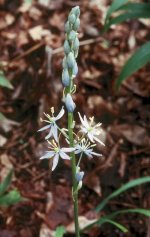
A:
[136,210]
[131,7]
[122,189]
[116,224]
[10,198]
[134,63]
[114,6]
[132,11]
[60,231]
[4,185]
[4,81]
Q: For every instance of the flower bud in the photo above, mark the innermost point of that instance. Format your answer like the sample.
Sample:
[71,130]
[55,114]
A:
[75,69]
[70,60]
[76,11]
[71,18]
[79,185]
[76,24]
[67,27]
[79,176]
[64,63]
[72,36]
[67,48]
[76,44]
[70,105]
[65,77]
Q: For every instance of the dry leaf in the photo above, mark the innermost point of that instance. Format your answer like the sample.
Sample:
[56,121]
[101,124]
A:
[37,32]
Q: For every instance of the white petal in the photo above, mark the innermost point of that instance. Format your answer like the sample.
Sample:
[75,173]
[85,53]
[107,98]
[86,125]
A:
[44,128]
[88,154]
[55,132]
[90,136]
[63,155]
[68,149]
[78,151]
[95,154]
[61,113]
[55,161]
[49,154]
[84,130]
[86,124]
[81,119]
[49,134]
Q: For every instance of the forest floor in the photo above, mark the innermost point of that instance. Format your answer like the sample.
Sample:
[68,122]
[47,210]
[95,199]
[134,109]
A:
[31,39]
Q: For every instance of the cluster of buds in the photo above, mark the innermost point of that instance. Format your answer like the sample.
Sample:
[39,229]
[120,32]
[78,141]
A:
[71,47]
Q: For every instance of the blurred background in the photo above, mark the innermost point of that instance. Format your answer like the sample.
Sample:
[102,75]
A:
[31,53]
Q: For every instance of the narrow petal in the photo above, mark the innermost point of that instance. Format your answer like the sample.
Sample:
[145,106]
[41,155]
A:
[78,151]
[55,161]
[67,149]
[90,136]
[95,154]
[63,155]
[55,132]
[48,155]
[49,134]
[88,154]
[81,119]
[61,113]
[86,124]
[44,128]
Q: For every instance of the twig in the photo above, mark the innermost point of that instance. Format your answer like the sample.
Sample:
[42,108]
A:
[54,51]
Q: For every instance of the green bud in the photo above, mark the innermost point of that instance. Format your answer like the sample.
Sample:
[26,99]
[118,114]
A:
[64,63]
[76,44]
[79,185]
[71,18]
[65,77]
[79,176]
[72,35]
[75,69]
[70,105]
[76,11]
[67,48]
[70,60]
[67,27]
[76,24]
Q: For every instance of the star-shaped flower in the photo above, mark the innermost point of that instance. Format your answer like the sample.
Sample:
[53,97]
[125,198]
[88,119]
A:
[85,147]
[56,152]
[53,129]
[89,128]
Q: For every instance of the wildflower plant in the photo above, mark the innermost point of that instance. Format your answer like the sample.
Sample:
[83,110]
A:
[85,140]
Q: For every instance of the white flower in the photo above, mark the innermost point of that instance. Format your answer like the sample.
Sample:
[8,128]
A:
[85,147]
[53,130]
[56,152]
[90,129]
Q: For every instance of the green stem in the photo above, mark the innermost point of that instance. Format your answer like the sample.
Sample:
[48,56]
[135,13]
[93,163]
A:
[73,164]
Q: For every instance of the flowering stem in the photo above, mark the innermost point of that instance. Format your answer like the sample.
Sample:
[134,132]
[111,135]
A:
[73,164]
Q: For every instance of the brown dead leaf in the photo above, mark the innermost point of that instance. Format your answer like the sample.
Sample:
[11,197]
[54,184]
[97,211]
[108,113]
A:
[3,140]
[93,182]
[133,133]
[37,32]
[6,19]
[83,222]
[45,231]
[35,13]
